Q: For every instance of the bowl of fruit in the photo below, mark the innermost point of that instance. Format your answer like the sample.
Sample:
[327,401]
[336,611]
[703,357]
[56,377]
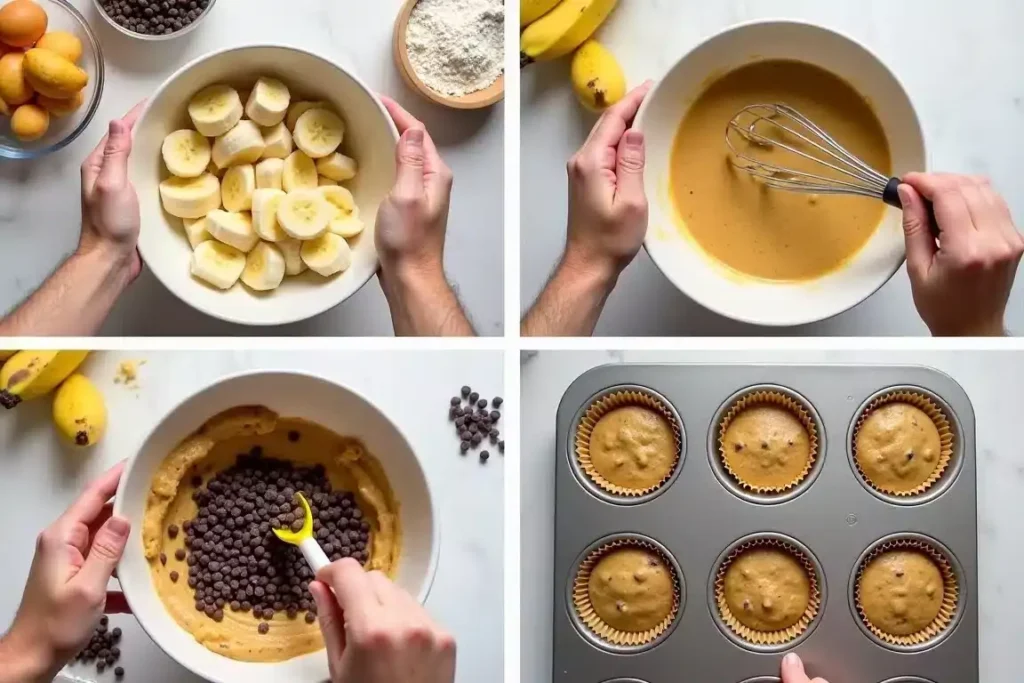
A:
[259,171]
[51,77]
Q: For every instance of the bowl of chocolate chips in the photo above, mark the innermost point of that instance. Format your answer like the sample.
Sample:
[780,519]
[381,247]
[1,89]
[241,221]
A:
[204,572]
[154,19]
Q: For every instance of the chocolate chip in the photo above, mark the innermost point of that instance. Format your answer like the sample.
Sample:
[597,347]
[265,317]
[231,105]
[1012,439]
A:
[482,403]
[474,397]
[465,391]
[310,617]
[173,576]
[484,455]
[497,401]
[119,672]
[294,436]
[455,401]
[495,416]
[263,628]
[172,531]
[464,446]
[501,446]
[163,558]
[179,554]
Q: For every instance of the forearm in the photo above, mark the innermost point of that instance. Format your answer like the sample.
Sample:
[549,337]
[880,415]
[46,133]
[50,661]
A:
[75,300]
[571,302]
[24,662]
[423,304]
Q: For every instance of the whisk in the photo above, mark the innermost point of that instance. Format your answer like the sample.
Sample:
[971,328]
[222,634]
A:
[769,126]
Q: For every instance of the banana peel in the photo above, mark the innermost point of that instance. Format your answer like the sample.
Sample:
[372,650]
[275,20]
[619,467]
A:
[28,375]
[79,411]
[597,77]
[532,10]
[559,32]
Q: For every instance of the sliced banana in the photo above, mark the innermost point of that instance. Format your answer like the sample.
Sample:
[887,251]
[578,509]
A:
[264,215]
[195,230]
[318,132]
[215,110]
[304,214]
[268,102]
[186,153]
[346,226]
[293,263]
[299,173]
[278,140]
[218,264]
[237,186]
[327,254]
[264,268]
[234,229]
[337,167]
[243,144]
[297,109]
[269,174]
[190,197]
[341,199]
[323,181]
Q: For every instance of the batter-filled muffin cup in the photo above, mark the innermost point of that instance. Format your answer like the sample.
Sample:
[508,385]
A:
[767,442]
[767,592]
[627,593]
[902,443]
[906,592]
[629,443]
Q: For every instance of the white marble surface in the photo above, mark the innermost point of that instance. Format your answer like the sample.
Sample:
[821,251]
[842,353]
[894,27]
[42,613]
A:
[39,206]
[41,477]
[954,58]
[992,380]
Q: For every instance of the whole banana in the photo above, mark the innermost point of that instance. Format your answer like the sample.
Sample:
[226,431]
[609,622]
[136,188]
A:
[532,10]
[30,374]
[597,77]
[563,29]
[6,353]
[79,411]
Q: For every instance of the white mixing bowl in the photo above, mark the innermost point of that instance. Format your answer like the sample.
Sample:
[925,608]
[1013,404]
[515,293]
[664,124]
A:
[370,138]
[290,394]
[684,263]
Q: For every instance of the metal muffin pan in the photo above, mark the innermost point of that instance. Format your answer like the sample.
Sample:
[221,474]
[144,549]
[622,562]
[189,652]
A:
[696,517]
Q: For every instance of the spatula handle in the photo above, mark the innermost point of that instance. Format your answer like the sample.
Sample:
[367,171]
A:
[314,554]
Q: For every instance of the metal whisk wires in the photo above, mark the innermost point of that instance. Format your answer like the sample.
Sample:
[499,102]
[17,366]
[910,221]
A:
[767,127]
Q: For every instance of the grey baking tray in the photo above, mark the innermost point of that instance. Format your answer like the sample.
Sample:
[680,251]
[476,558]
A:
[697,517]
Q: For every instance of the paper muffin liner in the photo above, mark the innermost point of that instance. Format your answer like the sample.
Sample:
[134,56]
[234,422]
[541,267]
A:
[785,635]
[934,413]
[950,593]
[605,405]
[589,616]
[776,398]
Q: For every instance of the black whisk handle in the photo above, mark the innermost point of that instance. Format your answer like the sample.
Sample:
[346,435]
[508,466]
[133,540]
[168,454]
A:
[891,196]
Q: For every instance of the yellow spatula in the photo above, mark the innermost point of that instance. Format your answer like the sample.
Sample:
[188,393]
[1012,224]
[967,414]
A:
[303,538]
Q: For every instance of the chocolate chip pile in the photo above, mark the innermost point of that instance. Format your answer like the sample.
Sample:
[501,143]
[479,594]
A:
[154,17]
[474,422]
[234,559]
[103,648]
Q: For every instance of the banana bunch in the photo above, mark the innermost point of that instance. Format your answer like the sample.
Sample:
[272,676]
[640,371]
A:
[262,201]
[556,28]
[79,412]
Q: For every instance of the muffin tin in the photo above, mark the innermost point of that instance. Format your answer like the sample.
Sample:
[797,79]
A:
[697,517]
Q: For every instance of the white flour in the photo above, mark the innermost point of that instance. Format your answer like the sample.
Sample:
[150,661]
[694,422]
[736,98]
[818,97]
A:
[457,46]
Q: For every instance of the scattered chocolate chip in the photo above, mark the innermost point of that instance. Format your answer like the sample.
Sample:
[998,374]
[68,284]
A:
[484,455]
[310,617]
[263,628]
[163,558]
[495,416]
[179,554]
[464,446]
[173,576]
[474,397]
[465,391]
[482,403]
[455,401]
[172,531]
[119,672]
[501,446]
[497,401]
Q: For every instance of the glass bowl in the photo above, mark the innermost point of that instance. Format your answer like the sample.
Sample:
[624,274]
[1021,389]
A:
[147,36]
[65,129]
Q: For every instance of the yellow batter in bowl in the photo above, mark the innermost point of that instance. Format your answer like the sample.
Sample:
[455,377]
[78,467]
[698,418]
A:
[760,232]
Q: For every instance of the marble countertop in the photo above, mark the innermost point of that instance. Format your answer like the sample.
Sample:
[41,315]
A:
[954,58]
[39,206]
[991,380]
[41,477]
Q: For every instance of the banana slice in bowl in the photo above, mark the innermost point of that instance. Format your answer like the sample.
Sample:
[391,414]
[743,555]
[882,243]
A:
[281,125]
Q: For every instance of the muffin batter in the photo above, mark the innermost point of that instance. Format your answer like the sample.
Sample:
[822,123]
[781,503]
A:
[761,232]
[213,448]
[898,447]
[633,447]
[766,446]
[767,589]
[632,590]
[901,592]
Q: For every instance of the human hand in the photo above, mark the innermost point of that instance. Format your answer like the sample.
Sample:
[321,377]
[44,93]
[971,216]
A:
[607,204]
[110,205]
[66,591]
[377,633]
[411,222]
[793,671]
[962,284]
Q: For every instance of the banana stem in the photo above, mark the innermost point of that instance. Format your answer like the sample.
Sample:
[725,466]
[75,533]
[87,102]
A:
[525,60]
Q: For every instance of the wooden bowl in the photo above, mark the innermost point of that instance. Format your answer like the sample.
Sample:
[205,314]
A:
[475,100]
